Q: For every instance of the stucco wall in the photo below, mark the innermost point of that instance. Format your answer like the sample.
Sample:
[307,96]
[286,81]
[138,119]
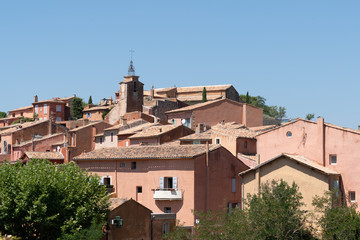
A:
[309,181]
[147,175]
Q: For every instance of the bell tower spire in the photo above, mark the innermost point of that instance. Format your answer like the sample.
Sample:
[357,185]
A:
[131,70]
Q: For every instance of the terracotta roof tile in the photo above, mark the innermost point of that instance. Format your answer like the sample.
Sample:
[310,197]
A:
[44,155]
[96,108]
[147,152]
[22,108]
[154,131]
[136,129]
[200,105]
[300,159]
[85,126]
[200,88]
[41,138]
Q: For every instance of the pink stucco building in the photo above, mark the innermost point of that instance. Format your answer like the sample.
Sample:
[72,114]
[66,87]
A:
[330,146]
[164,178]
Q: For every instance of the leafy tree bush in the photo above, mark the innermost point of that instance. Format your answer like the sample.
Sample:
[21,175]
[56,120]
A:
[22,119]
[337,220]
[40,200]
[77,105]
[277,112]
[3,115]
[274,213]
[310,116]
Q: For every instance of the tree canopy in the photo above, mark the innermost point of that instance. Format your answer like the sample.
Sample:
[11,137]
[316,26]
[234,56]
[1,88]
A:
[77,105]
[309,116]
[3,115]
[40,200]
[277,112]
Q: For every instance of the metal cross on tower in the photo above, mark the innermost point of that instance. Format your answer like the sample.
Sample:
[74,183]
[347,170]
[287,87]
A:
[131,71]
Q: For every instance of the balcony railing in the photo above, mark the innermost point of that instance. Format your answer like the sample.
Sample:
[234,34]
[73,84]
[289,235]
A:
[167,194]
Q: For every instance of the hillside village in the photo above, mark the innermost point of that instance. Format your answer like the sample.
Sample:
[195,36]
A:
[164,152]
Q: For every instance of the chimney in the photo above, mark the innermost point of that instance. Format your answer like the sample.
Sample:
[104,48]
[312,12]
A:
[35,98]
[152,92]
[200,128]
[321,139]
[123,121]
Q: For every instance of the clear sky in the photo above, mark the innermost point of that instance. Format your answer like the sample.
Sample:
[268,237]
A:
[303,55]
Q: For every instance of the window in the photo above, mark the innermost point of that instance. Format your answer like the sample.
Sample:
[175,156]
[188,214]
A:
[122,164]
[233,185]
[36,109]
[196,141]
[139,189]
[165,227]
[133,165]
[352,196]
[173,121]
[135,87]
[58,108]
[58,119]
[112,137]
[333,159]
[232,206]
[245,144]
[167,209]
[289,134]
[22,114]
[5,146]
[168,183]
[9,148]
[101,141]
[217,140]
[45,108]
[106,180]
[13,114]
[336,185]
[186,122]
[45,118]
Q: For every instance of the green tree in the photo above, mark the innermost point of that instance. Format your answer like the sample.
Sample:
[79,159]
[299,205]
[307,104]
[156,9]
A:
[337,220]
[40,200]
[274,213]
[204,97]
[247,98]
[77,105]
[90,100]
[3,115]
[310,116]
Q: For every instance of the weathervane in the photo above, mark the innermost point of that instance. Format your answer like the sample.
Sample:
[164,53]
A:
[131,71]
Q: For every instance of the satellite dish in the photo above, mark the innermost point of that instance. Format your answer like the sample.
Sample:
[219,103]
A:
[183,121]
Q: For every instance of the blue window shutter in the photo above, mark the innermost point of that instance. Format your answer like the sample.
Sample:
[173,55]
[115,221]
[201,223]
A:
[161,182]
[175,182]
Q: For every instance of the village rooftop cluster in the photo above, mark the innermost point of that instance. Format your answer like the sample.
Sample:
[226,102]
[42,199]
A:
[165,152]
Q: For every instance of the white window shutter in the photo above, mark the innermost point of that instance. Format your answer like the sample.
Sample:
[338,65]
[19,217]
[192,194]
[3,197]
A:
[161,182]
[175,182]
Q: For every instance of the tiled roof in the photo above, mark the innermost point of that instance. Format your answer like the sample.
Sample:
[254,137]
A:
[115,202]
[22,126]
[200,88]
[147,152]
[200,105]
[198,136]
[154,131]
[97,108]
[300,159]
[85,126]
[250,157]
[136,129]
[22,108]
[37,139]
[44,155]
[199,98]
[53,100]
[130,124]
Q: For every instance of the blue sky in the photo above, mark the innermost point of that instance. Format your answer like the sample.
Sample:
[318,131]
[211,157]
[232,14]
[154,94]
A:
[303,55]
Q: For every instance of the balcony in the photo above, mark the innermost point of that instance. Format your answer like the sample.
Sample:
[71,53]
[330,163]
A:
[167,194]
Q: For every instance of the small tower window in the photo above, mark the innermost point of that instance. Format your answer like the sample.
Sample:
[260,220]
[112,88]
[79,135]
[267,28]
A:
[135,87]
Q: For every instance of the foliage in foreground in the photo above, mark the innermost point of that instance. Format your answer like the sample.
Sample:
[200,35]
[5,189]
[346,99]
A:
[275,213]
[3,115]
[40,200]
[337,221]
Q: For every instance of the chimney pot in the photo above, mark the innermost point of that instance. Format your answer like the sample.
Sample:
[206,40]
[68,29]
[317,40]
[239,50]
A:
[35,98]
